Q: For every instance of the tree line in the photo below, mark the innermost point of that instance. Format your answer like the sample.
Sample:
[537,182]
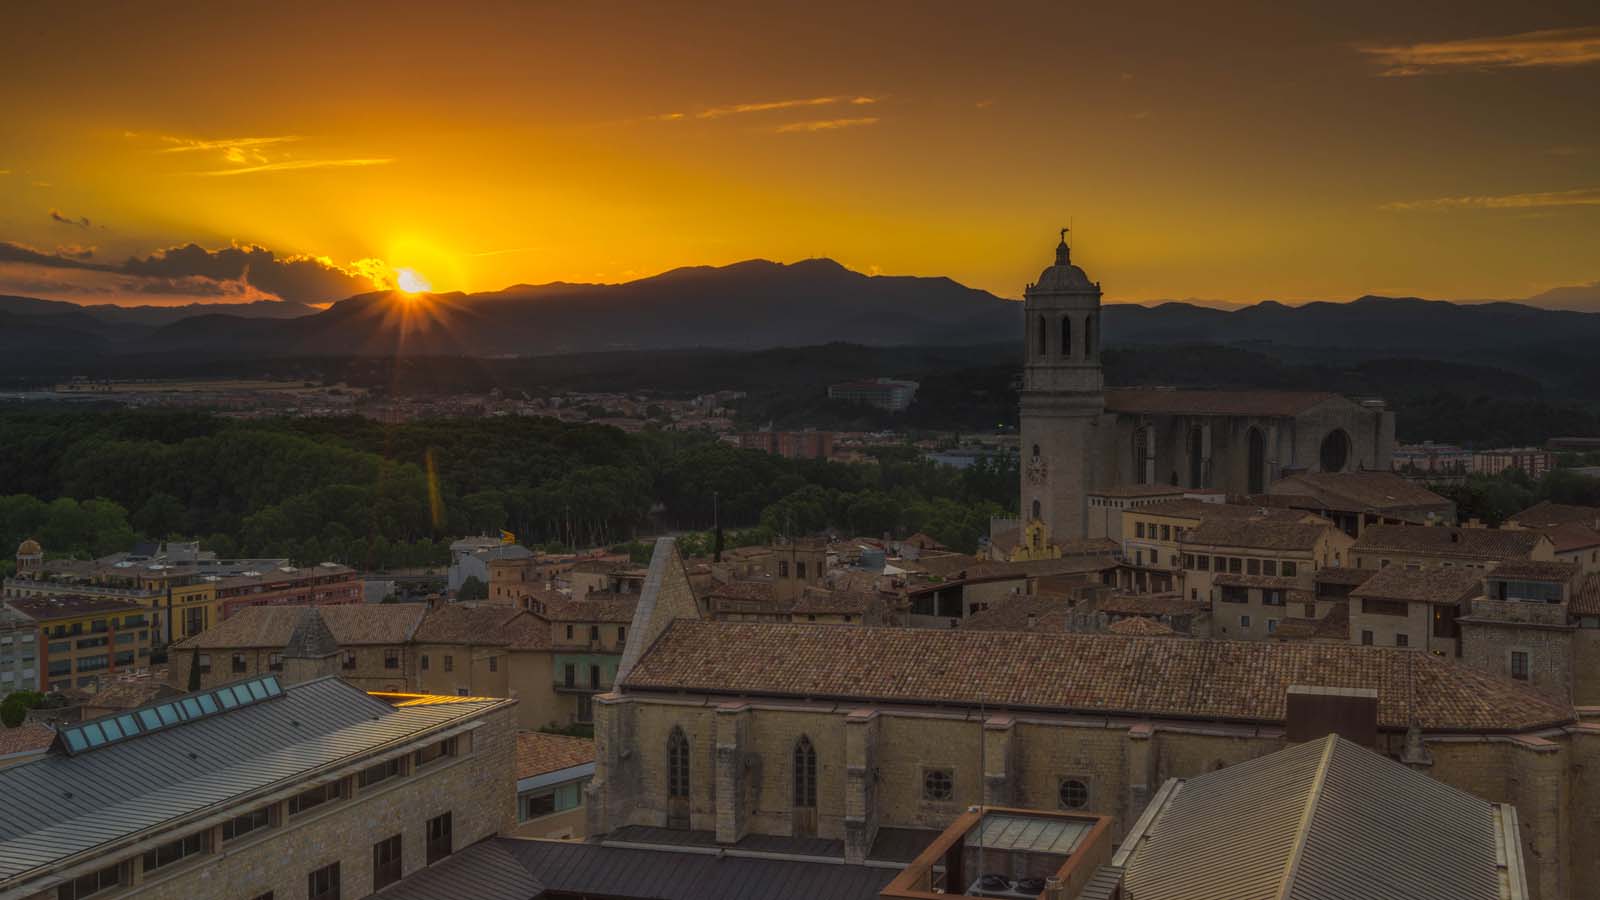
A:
[373,495]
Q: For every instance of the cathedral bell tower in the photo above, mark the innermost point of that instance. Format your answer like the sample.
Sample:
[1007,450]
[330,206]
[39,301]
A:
[1063,396]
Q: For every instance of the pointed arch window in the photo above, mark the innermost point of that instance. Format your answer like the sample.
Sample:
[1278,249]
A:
[1066,335]
[677,763]
[805,773]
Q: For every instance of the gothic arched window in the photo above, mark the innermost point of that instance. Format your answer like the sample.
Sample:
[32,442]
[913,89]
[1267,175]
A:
[1141,451]
[677,763]
[1335,451]
[1088,336]
[1066,335]
[805,773]
[1036,509]
[1043,335]
[1035,451]
[1197,462]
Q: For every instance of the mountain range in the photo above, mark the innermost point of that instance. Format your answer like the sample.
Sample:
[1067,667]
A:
[745,306]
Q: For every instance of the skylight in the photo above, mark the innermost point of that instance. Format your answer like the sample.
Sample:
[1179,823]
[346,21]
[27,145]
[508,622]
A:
[157,716]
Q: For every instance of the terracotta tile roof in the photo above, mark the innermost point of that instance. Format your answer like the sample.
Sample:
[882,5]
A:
[373,623]
[1013,615]
[1545,514]
[456,623]
[1535,570]
[1343,575]
[1201,510]
[1256,534]
[1244,681]
[1040,568]
[1435,585]
[1571,536]
[1133,491]
[527,632]
[598,606]
[821,601]
[1140,626]
[253,626]
[1256,581]
[943,565]
[1171,604]
[44,609]
[1216,403]
[1358,491]
[134,692]
[29,737]
[1472,543]
[538,753]
[745,590]
[923,542]
[1586,599]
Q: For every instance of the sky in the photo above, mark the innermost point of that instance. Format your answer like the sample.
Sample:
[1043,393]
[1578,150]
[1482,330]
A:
[183,152]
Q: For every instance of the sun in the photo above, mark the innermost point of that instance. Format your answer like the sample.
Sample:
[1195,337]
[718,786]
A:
[411,282]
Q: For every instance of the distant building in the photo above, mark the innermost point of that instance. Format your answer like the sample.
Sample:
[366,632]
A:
[789,444]
[1428,457]
[257,789]
[1353,500]
[59,642]
[1531,460]
[884,393]
[470,558]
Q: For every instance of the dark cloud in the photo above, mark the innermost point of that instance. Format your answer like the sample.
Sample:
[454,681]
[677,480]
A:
[300,278]
[194,270]
[79,222]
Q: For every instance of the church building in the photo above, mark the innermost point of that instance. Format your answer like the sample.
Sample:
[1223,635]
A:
[1078,437]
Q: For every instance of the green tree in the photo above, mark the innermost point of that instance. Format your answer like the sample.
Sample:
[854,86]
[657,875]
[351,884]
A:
[161,515]
[14,708]
[472,589]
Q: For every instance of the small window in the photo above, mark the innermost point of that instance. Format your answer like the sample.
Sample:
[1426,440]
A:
[449,663]
[594,632]
[783,568]
[1269,567]
[622,634]
[1401,640]
[323,884]
[204,663]
[1252,567]
[1272,626]
[383,771]
[1366,638]
[494,663]
[177,851]
[1073,793]
[90,884]
[938,784]
[238,664]
[308,800]
[275,662]
[240,826]
[424,662]
[391,658]
[349,661]
[439,838]
[1288,569]
[1138,529]
[1244,621]
[570,672]
[386,862]
[428,754]
[1519,665]
[800,569]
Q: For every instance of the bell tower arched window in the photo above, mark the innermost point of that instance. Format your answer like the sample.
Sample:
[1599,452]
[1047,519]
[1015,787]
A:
[1066,335]
[677,763]
[1044,334]
[805,773]
[1088,336]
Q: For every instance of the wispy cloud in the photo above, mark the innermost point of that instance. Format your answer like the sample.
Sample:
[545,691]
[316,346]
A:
[1555,47]
[5,171]
[188,145]
[826,124]
[1540,199]
[293,165]
[57,215]
[736,109]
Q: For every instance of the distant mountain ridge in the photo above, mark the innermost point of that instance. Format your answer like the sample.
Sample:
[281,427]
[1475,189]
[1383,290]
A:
[751,305]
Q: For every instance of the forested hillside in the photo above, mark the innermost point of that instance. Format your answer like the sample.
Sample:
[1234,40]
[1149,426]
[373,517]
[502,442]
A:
[351,490]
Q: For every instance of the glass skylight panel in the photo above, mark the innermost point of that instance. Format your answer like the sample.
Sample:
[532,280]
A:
[94,734]
[271,684]
[208,705]
[130,726]
[149,719]
[242,693]
[229,701]
[112,729]
[75,740]
[256,689]
[168,714]
[191,708]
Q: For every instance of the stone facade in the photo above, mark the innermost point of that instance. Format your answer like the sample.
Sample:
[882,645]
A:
[873,763]
[477,787]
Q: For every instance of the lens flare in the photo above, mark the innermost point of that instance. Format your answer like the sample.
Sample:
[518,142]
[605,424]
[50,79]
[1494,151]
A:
[411,282]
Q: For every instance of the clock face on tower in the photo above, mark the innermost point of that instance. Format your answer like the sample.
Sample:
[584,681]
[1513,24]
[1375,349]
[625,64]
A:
[1038,470]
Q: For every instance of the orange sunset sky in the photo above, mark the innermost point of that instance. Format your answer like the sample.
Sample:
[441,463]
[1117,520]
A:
[1291,151]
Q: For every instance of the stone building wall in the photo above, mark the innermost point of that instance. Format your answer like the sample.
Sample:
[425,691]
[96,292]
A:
[478,789]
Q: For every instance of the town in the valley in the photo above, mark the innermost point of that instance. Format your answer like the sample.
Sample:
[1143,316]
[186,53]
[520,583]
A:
[1225,643]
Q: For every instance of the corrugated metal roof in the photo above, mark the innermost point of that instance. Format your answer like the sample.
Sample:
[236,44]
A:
[61,805]
[484,871]
[1323,820]
[667,874]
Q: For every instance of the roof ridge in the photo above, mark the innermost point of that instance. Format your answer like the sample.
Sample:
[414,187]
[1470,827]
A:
[1313,795]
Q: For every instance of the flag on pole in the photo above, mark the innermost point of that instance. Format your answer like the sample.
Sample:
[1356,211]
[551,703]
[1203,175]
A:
[507,537]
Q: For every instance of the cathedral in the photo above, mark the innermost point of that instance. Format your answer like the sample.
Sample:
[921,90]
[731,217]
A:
[1079,437]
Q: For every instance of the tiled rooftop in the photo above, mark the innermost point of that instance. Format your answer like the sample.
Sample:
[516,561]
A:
[1535,570]
[1358,491]
[538,753]
[1439,540]
[1545,514]
[44,609]
[1140,626]
[1240,681]
[1257,535]
[1435,585]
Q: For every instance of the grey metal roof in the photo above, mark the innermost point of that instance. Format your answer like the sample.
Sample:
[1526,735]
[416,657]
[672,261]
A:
[61,805]
[483,871]
[668,874]
[1326,819]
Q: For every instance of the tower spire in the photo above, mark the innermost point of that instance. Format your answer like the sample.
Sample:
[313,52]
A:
[1063,252]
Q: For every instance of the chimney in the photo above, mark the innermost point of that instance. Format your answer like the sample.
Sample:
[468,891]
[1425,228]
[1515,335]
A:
[1315,712]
